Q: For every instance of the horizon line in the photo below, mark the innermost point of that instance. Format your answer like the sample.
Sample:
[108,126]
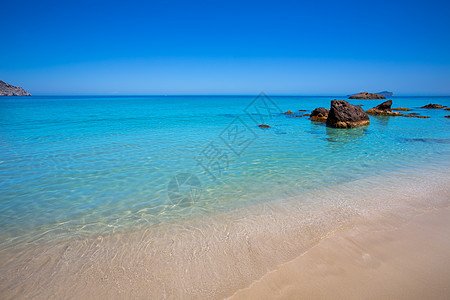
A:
[215,95]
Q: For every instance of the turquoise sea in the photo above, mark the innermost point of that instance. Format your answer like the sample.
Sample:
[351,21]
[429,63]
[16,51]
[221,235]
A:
[83,166]
[187,198]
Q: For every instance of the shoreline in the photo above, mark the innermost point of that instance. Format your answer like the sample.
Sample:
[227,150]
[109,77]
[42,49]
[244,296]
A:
[218,255]
[407,175]
[371,261]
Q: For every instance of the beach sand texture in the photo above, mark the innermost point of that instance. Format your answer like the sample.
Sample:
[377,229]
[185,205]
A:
[371,261]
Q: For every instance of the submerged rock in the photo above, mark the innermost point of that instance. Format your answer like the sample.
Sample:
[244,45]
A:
[263,126]
[383,109]
[447,116]
[319,114]
[433,106]
[302,110]
[366,95]
[344,115]
[289,112]
[402,109]
[416,115]
[448,108]
[10,90]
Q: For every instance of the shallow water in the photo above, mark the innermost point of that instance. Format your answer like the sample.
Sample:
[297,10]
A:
[77,166]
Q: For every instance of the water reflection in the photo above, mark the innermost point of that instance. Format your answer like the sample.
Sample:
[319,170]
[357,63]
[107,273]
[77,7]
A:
[345,136]
[381,120]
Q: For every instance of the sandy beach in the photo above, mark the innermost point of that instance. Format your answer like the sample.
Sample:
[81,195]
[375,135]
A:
[373,260]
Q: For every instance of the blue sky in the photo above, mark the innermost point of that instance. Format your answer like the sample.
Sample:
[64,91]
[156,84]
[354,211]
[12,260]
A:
[226,47]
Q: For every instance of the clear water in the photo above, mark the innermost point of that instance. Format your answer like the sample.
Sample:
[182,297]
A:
[73,166]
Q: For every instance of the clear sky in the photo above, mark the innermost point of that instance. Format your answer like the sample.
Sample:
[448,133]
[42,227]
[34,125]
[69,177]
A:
[226,47]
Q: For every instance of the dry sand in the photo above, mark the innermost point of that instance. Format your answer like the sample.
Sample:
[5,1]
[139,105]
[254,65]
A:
[370,261]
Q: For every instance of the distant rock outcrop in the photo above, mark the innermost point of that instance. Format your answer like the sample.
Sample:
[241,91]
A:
[319,114]
[433,106]
[10,90]
[384,109]
[344,115]
[386,94]
[366,95]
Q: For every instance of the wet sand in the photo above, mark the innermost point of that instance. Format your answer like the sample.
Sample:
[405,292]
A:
[373,260]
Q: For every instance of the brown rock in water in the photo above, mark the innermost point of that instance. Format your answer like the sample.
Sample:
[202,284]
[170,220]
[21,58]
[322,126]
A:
[366,95]
[402,109]
[306,115]
[410,115]
[289,112]
[263,126]
[344,115]
[416,115]
[447,116]
[433,106]
[319,115]
[302,110]
[389,113]
[448,108]
[383,109]
[386,105]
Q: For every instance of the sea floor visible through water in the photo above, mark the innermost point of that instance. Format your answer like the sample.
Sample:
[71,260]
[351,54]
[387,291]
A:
[215,255]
